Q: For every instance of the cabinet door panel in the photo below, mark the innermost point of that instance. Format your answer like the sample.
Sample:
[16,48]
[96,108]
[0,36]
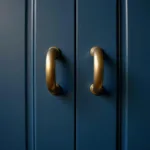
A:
[54,115]
[96,115]
[136,120]
[12,76]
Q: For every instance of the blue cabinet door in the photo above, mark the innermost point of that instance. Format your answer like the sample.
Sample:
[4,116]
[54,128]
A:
[54,115]
[13,75]
[136,58]
[32,118]
[96,115]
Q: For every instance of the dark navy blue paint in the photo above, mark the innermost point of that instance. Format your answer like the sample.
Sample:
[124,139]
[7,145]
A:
[50,119]
[96,115]
[136,122]
[54,122]
[12,76]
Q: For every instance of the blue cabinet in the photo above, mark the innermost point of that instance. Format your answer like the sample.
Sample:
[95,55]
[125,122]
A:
[54,115]
[135,53]
[13,85]
[96,115]
[32,116]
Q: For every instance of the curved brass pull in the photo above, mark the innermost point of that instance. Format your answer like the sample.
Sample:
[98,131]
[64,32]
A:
[52,54]
[97,87]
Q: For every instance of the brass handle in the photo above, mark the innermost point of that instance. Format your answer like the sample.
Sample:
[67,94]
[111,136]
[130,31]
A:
[97,87]
[52,54]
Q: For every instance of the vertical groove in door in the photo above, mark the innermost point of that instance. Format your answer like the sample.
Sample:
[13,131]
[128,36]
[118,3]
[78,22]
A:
[31,78]
[75,69]
[119,77]
[125,75]
[34,73]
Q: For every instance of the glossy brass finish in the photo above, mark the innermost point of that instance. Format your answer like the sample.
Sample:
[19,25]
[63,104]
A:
[52,54]
[97,87]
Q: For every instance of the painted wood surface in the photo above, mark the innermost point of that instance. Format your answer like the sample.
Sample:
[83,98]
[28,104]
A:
[96,115]
[136,120]
[12,76]
[54,115]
